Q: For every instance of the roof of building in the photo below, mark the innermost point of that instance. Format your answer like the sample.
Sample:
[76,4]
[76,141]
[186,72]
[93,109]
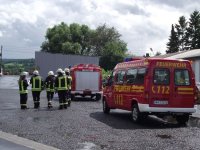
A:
[181,54]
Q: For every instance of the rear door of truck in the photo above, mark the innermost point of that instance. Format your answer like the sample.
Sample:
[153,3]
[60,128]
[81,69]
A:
[87,81]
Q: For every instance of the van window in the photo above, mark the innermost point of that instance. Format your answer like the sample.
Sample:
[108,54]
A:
[120,76]
[181,77]
[140,76]
[136,76]
[131,76]
[161,76]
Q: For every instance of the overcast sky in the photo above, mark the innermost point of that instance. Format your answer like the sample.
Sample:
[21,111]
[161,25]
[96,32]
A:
[143,24]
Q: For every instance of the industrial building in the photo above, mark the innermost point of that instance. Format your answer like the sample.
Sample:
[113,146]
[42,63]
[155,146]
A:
[48,61]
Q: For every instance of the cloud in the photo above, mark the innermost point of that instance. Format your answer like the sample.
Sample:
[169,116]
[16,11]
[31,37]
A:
[142,23]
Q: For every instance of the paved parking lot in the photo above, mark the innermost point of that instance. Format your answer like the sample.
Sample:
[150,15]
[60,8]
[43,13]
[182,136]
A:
[83,126]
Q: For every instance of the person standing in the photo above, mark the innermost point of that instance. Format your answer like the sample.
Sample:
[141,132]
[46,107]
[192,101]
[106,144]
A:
[23,84]
[61,87]
[37,86]
[69,85]
[50,85]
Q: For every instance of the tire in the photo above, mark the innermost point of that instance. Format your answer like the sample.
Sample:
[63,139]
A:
[106,109]
[72,97]
[136,115]
[98,97]
[183,119]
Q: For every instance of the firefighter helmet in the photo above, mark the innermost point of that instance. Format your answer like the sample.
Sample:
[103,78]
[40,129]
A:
[63,72]
[50,73]
[59,70]
[35,72]
[67,70]
[24,73]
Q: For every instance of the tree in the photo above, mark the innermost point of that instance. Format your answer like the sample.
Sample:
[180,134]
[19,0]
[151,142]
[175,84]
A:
[113,53]
[173,44]
[193,31]
[181,28]
[72,39]
[80,39]
[102,36]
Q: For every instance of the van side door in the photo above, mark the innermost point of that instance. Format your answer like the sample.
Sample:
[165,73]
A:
[119,89]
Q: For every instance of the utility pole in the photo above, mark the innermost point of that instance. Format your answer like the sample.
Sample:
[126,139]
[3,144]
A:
[1,67]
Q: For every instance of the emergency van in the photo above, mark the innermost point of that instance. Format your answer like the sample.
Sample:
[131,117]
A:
[86,81]
[152,86]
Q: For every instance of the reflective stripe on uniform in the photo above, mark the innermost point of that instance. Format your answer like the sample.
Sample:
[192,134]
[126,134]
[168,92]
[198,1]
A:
[49,88]
[23,104]
[62,83]
[39,87]
[70,82]
[21,88]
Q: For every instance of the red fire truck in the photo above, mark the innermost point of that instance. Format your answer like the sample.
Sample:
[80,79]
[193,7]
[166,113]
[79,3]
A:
[154,86]
[86,81]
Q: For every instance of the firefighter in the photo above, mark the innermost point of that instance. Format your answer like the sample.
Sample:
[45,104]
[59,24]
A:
[37,86]
[61,87]
[69,84]
[50,83]
[23,84]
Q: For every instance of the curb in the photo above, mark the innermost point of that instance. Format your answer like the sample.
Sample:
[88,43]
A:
[25,142]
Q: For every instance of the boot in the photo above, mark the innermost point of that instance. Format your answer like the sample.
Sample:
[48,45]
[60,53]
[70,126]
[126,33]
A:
[61,107]
[49,105]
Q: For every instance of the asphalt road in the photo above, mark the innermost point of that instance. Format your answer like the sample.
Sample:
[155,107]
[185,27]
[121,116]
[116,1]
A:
[83,126]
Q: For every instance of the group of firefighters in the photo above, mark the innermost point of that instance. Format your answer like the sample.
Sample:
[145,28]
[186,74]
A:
[60,84]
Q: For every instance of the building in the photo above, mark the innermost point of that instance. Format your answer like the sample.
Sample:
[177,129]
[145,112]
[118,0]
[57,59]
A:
[48,61]
[192,55]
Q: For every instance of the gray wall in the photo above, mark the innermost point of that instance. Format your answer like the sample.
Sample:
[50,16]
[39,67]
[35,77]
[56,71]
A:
[47,61]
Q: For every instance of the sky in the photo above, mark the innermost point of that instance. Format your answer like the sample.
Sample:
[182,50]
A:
[143,24]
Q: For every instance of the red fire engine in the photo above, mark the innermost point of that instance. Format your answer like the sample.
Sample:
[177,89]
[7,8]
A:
[86,81]
[152,86]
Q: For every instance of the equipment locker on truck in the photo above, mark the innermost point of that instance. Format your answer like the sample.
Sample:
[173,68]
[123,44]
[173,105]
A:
[87,81]
[160,87]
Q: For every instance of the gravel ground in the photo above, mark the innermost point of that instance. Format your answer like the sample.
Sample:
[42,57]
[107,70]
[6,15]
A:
[83,126]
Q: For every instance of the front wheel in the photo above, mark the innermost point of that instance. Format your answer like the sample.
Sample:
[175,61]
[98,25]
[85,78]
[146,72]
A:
[106,109]
[183,119]
[135,115]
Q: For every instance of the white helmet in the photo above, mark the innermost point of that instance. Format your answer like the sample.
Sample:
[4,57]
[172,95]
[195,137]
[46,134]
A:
[59,70]
[24,73]
[50,73]
[35,72]
[63,72]
[67,70]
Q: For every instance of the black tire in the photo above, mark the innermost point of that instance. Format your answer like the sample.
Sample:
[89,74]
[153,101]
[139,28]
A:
[106,109]
[98,97]
[72,97]
[136,115]
[182,119]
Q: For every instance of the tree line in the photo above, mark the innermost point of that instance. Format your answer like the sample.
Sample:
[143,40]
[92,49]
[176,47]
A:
[185,35]
[79,39]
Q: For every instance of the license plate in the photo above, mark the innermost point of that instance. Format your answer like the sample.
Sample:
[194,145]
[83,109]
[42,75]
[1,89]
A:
[160,102]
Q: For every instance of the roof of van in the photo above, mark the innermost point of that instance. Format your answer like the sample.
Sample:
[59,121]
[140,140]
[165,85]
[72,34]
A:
[144,62]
